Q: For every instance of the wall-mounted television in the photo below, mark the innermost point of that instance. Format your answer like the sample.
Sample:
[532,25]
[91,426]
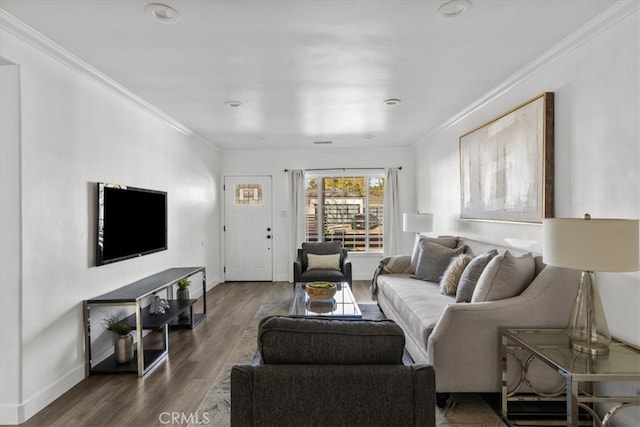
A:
[131,222]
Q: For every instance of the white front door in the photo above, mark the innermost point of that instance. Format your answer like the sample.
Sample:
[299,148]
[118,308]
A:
[248,229]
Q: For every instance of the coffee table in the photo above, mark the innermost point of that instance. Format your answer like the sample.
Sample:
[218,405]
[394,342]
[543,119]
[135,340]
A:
[343,305]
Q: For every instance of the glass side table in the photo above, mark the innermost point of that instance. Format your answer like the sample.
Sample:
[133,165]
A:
[581,371]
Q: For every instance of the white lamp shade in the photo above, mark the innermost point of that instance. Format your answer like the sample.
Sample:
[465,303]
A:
[591,244]
[420,222]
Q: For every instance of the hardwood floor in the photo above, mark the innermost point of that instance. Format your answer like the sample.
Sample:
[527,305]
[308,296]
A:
[180,383]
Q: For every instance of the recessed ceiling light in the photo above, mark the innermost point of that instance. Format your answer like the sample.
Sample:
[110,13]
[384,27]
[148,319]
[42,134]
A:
[453,9]
[392,101]
[162,13]
[233,103]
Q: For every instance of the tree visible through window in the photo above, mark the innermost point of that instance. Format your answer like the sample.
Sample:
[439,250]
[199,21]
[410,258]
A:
[347,209]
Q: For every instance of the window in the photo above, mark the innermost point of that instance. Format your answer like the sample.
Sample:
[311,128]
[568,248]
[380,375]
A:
[347,209]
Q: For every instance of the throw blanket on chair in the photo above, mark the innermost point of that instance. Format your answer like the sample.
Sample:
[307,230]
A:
[387,265]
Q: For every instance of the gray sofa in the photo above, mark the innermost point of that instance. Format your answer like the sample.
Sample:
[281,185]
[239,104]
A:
[460,339]
[321,372]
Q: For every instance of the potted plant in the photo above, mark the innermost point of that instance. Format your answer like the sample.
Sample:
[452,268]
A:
[123,341]
[183,294]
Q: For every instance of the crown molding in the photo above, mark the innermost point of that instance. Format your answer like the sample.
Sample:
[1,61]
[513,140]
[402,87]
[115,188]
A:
[32,37]
[611,16]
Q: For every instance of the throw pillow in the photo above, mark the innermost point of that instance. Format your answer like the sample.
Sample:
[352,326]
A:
[434,259]
[471,274]
[505,276]
[449,241]
[323,262]
[319,248]
[451,276]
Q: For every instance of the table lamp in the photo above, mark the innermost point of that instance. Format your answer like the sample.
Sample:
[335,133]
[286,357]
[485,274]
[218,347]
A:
[590,245]
[418,222]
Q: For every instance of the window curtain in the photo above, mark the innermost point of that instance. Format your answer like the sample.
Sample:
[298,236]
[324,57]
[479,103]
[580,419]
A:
[297,209]
[391,212]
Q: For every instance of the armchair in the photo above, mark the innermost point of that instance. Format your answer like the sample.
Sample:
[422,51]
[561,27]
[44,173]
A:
[329,372]
[302,272]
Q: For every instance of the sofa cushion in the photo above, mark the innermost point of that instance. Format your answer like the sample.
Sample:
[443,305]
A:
[451,276]
[323,262]
[418,305]
[303,340]
[471,274]
[448,241]
[504,277]
[434,259]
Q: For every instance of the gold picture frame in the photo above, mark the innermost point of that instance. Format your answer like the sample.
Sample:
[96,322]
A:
[506,165]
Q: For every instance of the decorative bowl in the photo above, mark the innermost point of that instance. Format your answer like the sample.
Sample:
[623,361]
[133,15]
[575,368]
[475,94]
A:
[321,290]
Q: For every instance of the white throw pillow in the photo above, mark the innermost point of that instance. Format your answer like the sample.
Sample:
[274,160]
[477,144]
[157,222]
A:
[323,262]
[504,277]
[451,276]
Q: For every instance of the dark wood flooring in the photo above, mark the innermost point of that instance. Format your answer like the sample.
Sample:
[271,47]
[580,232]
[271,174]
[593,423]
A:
[180,383]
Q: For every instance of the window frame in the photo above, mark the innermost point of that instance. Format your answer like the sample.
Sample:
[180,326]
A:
[320,213]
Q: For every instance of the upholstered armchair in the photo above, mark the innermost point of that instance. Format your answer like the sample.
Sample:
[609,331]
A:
[331,372]
[322,261]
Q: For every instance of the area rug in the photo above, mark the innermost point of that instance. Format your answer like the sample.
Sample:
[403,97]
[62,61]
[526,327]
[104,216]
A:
[461,409]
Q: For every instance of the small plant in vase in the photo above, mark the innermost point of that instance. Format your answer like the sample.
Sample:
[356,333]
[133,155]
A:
[123,341]
[183,294]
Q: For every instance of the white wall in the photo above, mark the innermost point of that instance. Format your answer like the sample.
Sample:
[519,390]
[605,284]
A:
[74,133]
[10,230]
[597,141]
[274,162]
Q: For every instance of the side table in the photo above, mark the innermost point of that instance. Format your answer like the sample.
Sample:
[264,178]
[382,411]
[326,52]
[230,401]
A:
[581,372]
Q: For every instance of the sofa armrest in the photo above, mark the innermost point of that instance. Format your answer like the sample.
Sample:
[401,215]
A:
[241,395]
[347,271]
[297,267]
[389,265]
[464,346]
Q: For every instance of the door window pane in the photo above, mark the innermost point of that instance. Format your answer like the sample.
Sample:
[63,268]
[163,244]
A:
[248,194]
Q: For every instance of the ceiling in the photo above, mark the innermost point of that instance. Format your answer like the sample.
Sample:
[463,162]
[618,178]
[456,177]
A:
[305,71]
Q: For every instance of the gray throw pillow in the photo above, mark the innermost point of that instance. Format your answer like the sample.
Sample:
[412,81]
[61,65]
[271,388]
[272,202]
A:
[448,241]
[471,274]
[434,259]
[504,277]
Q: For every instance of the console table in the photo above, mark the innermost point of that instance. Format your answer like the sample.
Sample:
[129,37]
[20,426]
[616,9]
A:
[132,295]
[581,372]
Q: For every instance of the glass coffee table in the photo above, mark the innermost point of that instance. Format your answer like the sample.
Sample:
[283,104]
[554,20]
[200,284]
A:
[343,305]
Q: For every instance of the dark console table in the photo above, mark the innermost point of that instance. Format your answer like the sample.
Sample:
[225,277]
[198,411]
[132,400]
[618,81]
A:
[132,295]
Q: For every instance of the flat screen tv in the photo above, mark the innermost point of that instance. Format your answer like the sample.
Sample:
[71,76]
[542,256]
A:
[131,222]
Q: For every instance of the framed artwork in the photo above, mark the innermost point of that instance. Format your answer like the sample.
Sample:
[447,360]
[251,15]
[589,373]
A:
[506,165]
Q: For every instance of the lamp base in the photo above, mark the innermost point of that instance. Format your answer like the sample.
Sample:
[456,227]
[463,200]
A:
[588,330]
[590,348]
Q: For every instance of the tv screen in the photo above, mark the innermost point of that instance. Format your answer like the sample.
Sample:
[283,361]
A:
[131,222]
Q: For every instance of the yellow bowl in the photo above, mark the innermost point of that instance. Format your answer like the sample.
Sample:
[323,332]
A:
[321,290]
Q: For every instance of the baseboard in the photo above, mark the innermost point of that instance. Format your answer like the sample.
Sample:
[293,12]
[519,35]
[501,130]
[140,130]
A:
[18,414]
[11,414]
